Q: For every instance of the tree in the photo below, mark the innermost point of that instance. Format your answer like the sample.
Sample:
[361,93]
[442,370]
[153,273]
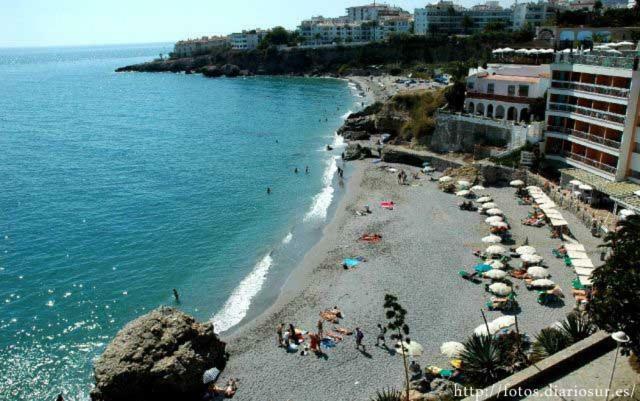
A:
[396,314]
[455,95]
[616,284]
[495,26]
[467,23]
[597,7]
[484,360]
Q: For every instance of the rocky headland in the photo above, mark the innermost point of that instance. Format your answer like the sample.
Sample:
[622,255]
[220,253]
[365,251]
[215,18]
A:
[159,356]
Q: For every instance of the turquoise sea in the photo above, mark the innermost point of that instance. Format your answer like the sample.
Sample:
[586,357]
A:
[117,188]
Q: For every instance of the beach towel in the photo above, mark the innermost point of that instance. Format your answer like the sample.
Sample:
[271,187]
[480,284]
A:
[373,238]
[327,343]
[351,262]
[387,205]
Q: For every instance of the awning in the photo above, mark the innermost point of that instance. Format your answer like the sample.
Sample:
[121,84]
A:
[584,280]
[574,247]
[583,271]
[582,263]
[615,189]
[577,255]
[559,222]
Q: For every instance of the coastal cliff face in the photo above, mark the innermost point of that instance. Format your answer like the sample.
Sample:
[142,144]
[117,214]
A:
[159,356]
[338,60]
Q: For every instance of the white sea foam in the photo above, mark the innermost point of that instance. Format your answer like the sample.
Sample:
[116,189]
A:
[287,238]
[345,115]
[236,307]
[322,200]
[338,141]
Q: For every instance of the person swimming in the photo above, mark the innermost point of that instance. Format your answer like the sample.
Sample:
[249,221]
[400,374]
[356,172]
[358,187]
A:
[268,190]
[176,295]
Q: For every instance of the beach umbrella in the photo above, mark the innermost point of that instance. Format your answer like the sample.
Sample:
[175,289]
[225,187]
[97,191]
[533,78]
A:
[496,51]
[542,283]
[507,50]
[495,250]
[452,349]
[482,268]
[499,224]
[613,51]
[446,178]
[533,188]
[500,289]
[503,322]
[210,376]
[531,258]
[410,348]
[477,188]
[522,51]
[484,199]
[491,239]
[464,184]
[537,272]
[585,187]
[525,250]
[627,212]
[463,193]
[495,264]
[494,219]
[429,169]
[575,182]
[517,183]
[489,205]
[625,43]
[494,212]
[495,274]
[482,330]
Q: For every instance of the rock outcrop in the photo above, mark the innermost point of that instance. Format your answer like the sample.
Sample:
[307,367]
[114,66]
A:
[358,128]
[212,71]
[159,356]
[355,152]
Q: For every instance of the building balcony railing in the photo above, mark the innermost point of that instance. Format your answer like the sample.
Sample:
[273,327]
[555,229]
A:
[593,59]
[499,98]
[584,160]
[591,88]
[595,113]
[586,136]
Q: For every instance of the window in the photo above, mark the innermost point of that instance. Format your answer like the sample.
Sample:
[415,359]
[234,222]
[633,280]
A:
[523,90]
[490,88]
[470,85]
[512,90]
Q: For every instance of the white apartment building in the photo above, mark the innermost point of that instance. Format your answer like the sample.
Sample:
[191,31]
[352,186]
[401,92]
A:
[592,113]
[372,12]
[194,47]
[247,40]
[506,92]
[531,14]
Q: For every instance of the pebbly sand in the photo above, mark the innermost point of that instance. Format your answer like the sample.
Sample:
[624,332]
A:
[381,88]
[426,240]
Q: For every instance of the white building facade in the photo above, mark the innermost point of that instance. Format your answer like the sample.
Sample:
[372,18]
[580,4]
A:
[506,92]
[247,40]
[195,47]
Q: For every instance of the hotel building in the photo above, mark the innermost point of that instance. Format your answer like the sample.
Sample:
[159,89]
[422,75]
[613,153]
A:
[592,114]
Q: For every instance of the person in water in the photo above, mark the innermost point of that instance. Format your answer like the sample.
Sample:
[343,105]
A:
[295,170]
[306,170]
[268,190]
[176,295]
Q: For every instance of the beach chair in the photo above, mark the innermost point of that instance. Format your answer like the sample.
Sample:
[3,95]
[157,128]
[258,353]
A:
[469,277]
[556,253]
[567,261]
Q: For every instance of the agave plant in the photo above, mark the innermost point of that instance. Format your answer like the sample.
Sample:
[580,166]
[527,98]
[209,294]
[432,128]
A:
[388,394]
[484,360]
[577,326]
[549,341]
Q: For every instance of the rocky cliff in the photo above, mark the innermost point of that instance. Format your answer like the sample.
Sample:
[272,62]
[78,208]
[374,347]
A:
[159,356]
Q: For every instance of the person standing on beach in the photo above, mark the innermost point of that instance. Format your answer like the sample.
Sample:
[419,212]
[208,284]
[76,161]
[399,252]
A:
[292,334]
[381,334]
[359,338]
[279,330]
[320,327]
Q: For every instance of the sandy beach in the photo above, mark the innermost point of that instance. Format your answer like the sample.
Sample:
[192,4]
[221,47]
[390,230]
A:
[426,241]
[381,88]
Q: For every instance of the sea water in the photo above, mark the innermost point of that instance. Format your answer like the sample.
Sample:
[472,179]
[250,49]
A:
[116,188]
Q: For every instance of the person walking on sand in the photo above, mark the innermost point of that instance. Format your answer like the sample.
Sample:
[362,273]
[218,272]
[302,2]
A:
[279,330]
[320,327]
[359,338]
[381,334]
[292,334]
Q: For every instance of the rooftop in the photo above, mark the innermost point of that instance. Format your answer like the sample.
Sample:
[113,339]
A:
[619,190]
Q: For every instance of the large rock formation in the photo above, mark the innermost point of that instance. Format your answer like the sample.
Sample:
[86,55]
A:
[358,128]
[355,152]
[159,356]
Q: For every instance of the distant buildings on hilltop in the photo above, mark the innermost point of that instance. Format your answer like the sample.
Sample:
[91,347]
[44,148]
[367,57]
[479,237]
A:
[379,21]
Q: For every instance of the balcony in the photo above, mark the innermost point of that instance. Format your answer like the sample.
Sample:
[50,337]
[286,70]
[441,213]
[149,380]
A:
[589,162]
[587,137]
[500,98]
[585,111]
[598,60]
[591,88]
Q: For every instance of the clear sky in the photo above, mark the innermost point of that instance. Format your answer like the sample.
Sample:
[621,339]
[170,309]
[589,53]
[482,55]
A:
[87,22]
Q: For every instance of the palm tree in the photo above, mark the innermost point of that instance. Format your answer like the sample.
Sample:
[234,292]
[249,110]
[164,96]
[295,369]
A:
[483,359]
[549,341]
[577,326]
[395,314]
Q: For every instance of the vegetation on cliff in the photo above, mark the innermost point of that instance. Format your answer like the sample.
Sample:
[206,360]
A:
[420,108]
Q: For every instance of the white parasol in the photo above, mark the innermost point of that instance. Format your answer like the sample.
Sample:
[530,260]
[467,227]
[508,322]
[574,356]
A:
[495,274]
[494,212]
[500,289]
[494,219]
[477,188]
[495,250]
[542,283]
[499,224]
[495,264]
[489,205]
[446,178]
[491,239]
[517,183]
[452,349]
[410,348]
[531,258]
[537,272]
[525,250]
[463,193]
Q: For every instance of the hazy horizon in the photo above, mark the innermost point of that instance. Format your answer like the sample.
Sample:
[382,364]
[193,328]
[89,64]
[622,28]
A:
[40,23]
